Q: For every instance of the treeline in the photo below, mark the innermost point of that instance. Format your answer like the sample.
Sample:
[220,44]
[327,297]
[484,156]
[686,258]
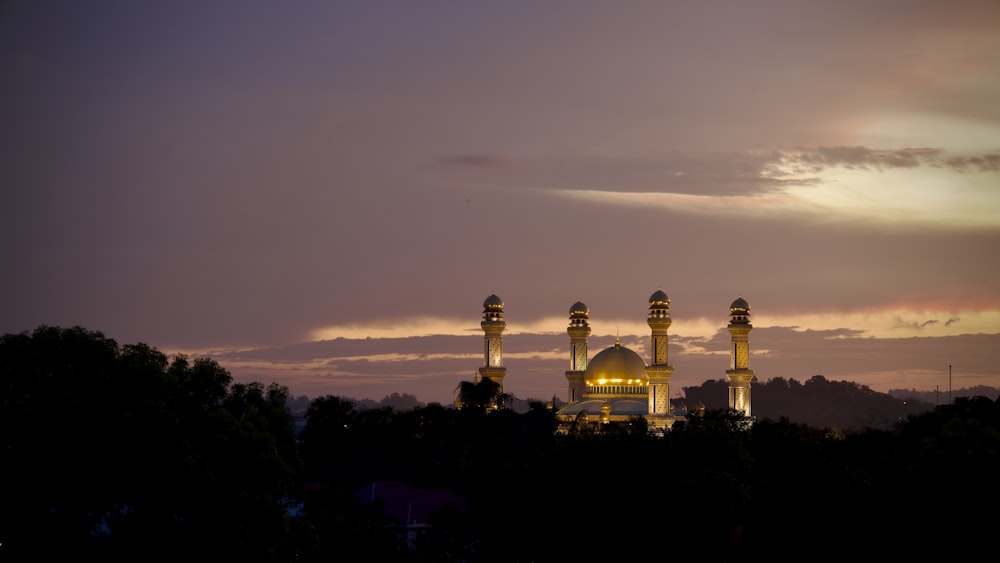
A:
[844,406]
[120,453]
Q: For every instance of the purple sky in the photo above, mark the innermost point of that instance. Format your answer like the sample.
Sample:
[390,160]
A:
[323,193]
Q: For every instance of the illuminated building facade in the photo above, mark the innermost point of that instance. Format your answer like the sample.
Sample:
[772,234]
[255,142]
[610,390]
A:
[617,384]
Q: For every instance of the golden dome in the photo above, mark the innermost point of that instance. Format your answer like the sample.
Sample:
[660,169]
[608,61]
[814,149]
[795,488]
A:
[616,365]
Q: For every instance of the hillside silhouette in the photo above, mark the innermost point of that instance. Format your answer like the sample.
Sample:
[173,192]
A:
[819,402]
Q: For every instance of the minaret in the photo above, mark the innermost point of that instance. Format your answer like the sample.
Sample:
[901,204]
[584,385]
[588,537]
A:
[578,330]
[740,375]
[493,325]
[659,370]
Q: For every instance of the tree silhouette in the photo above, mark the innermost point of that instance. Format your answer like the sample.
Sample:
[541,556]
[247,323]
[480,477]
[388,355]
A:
[482,396]
[121,453]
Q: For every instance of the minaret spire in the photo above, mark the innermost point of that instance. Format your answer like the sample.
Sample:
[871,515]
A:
[659,369]
[493,326]
[579,331]
[740,375]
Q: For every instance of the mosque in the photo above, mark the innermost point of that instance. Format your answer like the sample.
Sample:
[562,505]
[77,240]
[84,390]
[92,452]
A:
[617,384]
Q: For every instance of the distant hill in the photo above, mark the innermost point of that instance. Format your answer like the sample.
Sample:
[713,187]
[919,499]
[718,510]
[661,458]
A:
[817,402]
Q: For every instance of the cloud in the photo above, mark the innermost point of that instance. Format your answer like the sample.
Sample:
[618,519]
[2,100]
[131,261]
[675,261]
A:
[914,325]
[982,163]
[718,173]
[814,160]
[924,185]
[431,368]
[864,157]
[845,185]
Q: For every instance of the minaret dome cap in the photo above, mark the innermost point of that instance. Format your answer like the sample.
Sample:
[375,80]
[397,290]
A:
[493,302]
[659,298]
[739,306]
[579,308]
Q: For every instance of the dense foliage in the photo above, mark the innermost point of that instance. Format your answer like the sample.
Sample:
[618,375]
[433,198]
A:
[122,453]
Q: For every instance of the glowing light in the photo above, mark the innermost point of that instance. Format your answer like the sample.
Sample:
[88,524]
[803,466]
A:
[903,195]
[930,131]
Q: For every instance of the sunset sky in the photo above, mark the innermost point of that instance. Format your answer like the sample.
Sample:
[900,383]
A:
[322,194]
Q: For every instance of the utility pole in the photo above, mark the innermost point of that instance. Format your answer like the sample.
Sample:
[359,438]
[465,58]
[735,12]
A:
[949,383]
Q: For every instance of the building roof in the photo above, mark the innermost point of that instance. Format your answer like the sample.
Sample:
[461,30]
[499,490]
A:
[620,406]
